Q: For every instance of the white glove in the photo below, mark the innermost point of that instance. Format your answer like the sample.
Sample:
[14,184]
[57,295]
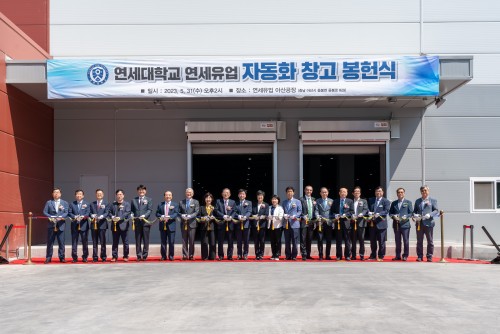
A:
[404,217]
[293,217]
[337,216]
[427,216]
[286,216]
[360,215]
[167,217]
[318,217]
[93,216]
[263,217]
[184,216]
[226,217]
[101,217]
[240,217]
[343,215]
[142,216]
[377,215]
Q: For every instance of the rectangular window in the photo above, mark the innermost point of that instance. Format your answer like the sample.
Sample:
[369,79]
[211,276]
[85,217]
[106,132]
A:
[485,194]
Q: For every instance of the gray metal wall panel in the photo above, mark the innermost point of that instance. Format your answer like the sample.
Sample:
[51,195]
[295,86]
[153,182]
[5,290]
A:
[461,10]
[486,69]
[226,11]
[294,39]
[405,164]
[460,164]
[462,132]
[470,101]
[461,37]
[85,135]
[410,134]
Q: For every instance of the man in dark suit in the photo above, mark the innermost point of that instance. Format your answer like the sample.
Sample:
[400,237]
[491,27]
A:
[306,227]
[379,206]
[400,212]
[142,207]
[260,211]
[119,212]
[342,210]
[224,212]
[243,212]
[79,212]
[57,211]
[188,210]
[99,224]
[291,220]
[168,213]
[360,210]
[427,208]
[321,212]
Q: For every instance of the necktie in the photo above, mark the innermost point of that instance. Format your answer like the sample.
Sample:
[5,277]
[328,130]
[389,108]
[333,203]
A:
[79,206]
[399,205]
[140,200]
[309,208]
[355,206]
[98,205]
[187,204]
[376,204]
[56,204]
[272,211]
[225,206]
[341,206]
[167,207]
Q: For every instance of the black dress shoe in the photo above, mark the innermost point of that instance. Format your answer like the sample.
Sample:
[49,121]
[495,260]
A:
[405,258]
[219,258]
[239,257]
[320,258]
[348,259]
[294,259]
[230,259]
[191,258]
[47,261]
[419,259]
[73,261]
[94,260]
[362,258]
[304,259]
[396,259]
[309,257]
[245,257]
[371,258]
[85,260]
[338,259]
[170,258]
[62,260]
[138,259]
[184,258]
[329,258]
[429,259]
[144,259]
[103,260]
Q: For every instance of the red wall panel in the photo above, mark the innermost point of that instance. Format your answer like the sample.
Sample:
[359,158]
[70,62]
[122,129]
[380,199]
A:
[32,16]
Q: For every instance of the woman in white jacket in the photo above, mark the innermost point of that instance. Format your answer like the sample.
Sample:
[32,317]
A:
[275,226]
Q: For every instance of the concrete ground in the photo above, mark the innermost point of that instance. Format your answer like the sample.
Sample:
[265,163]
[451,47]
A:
[277,297]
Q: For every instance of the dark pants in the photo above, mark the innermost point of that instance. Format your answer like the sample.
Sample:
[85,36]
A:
[292,242]
[377,237]
[142,236]
[207,244]
[306,234]
[51,236]
[405,234]
[221,234]
[259,241]
[275,236]
[83,235]
[119,234]
[188,241]
[358,235]
[347,236]
[338,240]
[98,237]
[428,232]
[167,236]
[242,238]
[327,235]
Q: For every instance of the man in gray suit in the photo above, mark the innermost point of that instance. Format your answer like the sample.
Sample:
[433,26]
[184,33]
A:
[142,207]
[322,210]
[400,212]
[360,210]
[427,208]
[306,226]
[188,209]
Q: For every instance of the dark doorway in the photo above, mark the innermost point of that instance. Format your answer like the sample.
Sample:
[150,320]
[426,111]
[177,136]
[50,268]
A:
[213,172]
[342,170]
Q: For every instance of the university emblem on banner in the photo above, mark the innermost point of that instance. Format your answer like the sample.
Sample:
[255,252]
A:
[97,74]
